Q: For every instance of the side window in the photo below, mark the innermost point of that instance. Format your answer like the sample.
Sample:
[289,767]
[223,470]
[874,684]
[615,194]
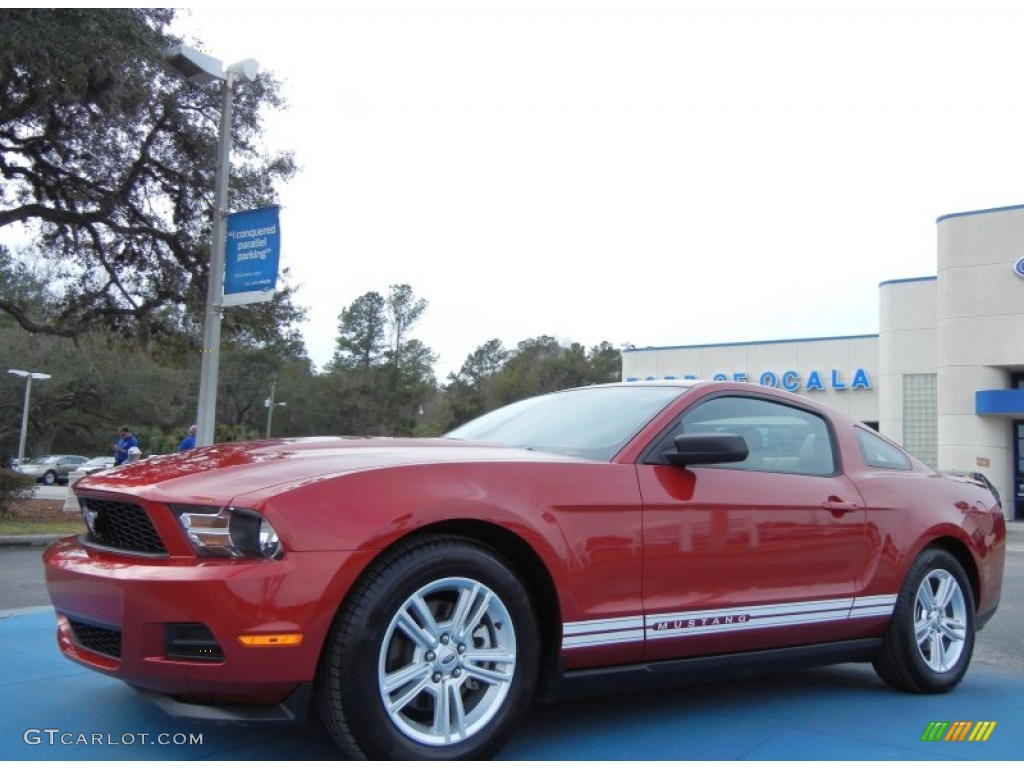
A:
[780,438]
[880,453]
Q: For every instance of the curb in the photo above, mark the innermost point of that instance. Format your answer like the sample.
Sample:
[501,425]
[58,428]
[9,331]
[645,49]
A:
[38,540]
[13,613]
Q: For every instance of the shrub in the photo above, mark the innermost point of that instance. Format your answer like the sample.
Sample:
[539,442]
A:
[14,486]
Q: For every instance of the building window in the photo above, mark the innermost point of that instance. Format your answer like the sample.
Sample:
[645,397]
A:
[921,416]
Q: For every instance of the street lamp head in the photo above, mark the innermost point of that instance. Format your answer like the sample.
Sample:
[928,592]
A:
[28,375]
[246,69]
[196,67]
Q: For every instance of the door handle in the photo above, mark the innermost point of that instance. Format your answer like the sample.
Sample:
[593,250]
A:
[837,506]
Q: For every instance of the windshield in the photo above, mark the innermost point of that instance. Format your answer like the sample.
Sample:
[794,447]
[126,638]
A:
[593,423]
[47,460]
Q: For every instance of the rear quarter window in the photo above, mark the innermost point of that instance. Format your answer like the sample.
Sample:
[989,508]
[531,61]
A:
[880,453]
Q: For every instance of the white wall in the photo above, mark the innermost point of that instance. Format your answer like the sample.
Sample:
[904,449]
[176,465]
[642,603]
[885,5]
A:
[980,337]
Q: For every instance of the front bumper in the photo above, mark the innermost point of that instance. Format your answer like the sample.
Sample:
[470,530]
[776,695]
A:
[131,617]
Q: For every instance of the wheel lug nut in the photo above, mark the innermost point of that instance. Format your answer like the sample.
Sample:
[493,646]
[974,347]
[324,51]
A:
[461,648]
[456,672]
[445,639]
[436,677]
[431,656]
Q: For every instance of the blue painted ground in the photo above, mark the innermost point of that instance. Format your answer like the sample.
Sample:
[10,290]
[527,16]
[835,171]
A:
[51,709]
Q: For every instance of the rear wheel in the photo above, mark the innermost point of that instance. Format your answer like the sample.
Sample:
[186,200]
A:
[929,642]
[50,477]
[433,657]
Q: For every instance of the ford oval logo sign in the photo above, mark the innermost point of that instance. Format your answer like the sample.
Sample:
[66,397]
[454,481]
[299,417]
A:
[1018,268]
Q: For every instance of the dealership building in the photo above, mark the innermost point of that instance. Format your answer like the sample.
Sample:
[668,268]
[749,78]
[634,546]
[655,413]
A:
[944,376]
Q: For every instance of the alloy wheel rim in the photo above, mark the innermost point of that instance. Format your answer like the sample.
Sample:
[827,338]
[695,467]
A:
[447,661]
[940,620]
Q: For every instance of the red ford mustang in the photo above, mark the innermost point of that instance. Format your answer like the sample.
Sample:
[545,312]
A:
[422,593]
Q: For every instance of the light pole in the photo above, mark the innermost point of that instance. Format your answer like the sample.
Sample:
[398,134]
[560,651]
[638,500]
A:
[28,376]
[271,405]
[199,68]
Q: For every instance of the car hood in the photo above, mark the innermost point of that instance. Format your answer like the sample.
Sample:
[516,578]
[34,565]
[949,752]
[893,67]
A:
[218,473]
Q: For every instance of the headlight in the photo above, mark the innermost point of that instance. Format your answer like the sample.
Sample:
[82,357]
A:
[228,532]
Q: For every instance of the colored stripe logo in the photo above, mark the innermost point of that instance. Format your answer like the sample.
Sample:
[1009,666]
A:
[958,730]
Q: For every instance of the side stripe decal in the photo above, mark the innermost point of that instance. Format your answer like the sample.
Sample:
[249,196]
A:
[634,629]
[582,634]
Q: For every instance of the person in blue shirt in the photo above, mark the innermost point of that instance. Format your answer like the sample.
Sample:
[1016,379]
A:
[125,440]
[190,439]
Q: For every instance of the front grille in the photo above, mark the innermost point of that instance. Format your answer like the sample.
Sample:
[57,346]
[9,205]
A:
[120,525]
[100,640]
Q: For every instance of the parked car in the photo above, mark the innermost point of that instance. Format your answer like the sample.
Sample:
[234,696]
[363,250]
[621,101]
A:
[96,463]
[52,469]
[421,593]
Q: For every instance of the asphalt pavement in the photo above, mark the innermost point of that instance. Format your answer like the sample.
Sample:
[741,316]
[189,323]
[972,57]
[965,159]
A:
[51,492]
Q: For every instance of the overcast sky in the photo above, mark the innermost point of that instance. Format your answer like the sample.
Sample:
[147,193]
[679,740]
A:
[657,173]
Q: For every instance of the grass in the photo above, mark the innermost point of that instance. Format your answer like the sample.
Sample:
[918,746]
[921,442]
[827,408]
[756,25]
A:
[19,527]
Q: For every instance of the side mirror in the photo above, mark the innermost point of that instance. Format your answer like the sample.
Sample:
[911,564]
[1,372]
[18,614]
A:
[707,448]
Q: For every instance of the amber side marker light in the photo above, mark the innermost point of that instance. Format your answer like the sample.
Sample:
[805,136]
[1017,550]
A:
[292,638]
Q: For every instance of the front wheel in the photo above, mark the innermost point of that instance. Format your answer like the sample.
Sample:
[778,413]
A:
[434,656]
[929,642]
[50,478]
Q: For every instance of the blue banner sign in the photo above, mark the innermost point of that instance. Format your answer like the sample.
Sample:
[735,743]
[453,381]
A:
[251,256]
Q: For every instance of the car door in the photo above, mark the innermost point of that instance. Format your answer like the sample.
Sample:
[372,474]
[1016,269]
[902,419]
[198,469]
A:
[66,465]
[762,553]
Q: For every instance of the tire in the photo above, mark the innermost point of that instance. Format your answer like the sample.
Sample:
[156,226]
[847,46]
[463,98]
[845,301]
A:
[50,478]
[434,655]
[927,646]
